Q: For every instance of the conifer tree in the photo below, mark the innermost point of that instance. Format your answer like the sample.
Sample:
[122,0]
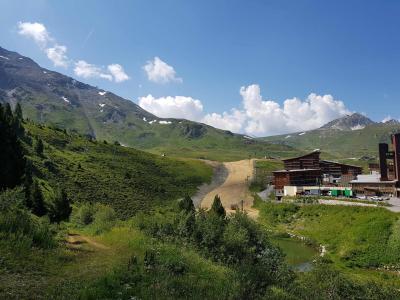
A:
[217,207]
[186,204]
[18,112]
[37,200]
[11,154]
[61,208]
[39,147]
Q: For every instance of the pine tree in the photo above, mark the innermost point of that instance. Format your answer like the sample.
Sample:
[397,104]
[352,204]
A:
[28,181]
[39,147]
[37,200]
[186,204]
[18,112]
[11,153]
[217,207]
[61,208]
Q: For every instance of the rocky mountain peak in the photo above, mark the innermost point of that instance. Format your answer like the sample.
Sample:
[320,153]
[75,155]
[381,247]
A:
[354,121]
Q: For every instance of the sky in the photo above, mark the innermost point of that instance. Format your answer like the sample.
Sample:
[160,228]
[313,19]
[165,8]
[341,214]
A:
[254,67]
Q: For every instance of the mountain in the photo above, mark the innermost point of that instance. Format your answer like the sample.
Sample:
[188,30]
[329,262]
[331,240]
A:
[391,122]
[354,121]
[351,137]
[52,98]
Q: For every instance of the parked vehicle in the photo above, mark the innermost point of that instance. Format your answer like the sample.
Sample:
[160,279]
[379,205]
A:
[361,197]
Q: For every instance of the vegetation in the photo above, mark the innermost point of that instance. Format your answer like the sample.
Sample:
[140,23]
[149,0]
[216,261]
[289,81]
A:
[127,179]
[357,146]
[356,238]
[89,220]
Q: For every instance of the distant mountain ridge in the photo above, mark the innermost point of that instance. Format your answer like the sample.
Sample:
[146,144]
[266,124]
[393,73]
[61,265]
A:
[52,98]
[354,121]
[350,137]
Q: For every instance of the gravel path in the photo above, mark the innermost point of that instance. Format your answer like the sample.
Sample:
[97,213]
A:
[219,176]
[234,188]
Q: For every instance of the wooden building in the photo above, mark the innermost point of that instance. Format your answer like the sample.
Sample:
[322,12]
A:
[309,169]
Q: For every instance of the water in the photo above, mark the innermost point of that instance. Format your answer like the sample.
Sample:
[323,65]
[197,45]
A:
[298,255]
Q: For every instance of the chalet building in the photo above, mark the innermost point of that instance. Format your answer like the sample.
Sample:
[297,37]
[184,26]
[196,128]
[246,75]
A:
[310,170]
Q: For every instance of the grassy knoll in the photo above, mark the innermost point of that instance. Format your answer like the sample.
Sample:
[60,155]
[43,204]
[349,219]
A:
[356,238]
[127,179]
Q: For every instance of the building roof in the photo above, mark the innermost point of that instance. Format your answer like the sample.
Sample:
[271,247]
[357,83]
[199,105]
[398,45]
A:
[341,164]
[305,155]
[295,170]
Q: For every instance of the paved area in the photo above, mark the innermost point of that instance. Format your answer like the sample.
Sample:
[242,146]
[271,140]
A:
[396,204]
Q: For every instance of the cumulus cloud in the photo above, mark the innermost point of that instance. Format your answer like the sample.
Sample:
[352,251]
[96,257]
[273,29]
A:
[57,55]
[117,71]
[257,117]
[86,70]
[173,107]
[35,31]
[232,121]
[160,72]
[266,117]
[387,119]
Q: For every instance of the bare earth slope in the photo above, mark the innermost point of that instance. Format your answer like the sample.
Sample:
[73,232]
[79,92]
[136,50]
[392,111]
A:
[235,188]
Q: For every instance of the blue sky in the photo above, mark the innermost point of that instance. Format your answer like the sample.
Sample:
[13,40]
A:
[278,49]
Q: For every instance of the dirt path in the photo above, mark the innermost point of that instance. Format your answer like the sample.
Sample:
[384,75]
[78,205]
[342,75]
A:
[220,173]
[234,189]
[76,241]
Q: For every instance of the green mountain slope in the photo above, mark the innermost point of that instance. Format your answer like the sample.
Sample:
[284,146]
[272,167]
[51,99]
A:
[52,98]
[129,180]
[350,144]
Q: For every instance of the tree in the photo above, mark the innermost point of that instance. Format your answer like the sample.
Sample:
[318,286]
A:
[11,153]
[217,207]
[61,208]
[39,147]
[186,204]
[37,200]
[18,112]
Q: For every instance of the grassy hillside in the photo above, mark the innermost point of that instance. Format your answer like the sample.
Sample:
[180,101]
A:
[340,143]
[359,240]
[127,179]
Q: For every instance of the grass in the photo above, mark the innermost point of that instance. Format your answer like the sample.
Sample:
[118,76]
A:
[357,239]
[127,179]
[338,144]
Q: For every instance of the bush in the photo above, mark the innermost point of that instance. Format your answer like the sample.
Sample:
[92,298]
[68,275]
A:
[99,216]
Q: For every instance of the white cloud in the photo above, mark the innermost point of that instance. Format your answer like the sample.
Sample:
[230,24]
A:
[387,119]
[86,70]
[257,117]
[57,55]
[173,107]
[117,71]
[35,31]
[232,121]
[266,117]
[160,72]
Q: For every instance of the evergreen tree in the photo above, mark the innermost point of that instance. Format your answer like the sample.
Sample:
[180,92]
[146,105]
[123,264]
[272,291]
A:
[39,147]
[217,207]
[18,112]
[11,153]
[186,204]
[28,181]
[37,200]
[61,208]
